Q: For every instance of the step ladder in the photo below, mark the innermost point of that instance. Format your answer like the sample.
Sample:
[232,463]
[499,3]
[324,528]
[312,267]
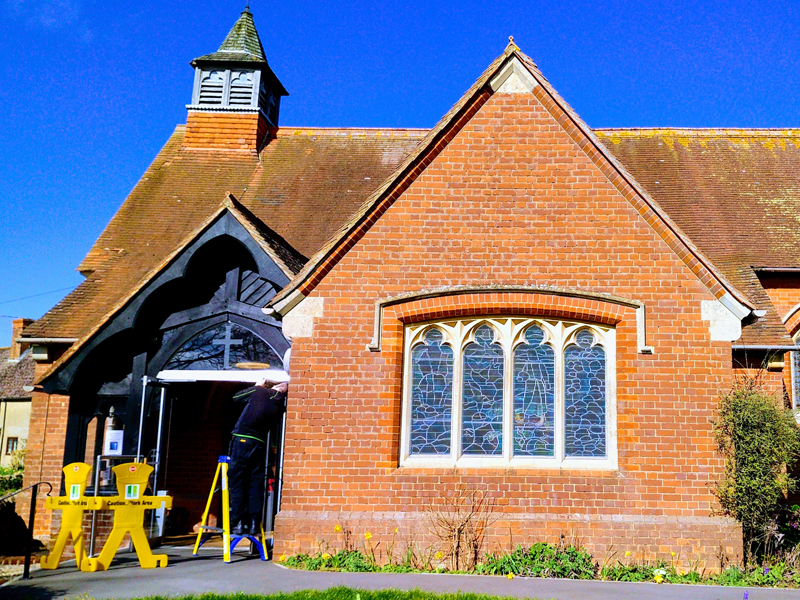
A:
[206,532]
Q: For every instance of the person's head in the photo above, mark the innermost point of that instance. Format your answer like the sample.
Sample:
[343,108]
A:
[281,387]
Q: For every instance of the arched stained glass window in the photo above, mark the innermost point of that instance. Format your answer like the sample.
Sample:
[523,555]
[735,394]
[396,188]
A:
[221,348]
[482,393]
[509,390]
[584,398]
[432,395]
[534,396]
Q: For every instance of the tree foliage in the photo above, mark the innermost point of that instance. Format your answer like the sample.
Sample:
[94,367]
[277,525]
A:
[758,439]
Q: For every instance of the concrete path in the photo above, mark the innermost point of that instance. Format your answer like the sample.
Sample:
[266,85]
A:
[188,574]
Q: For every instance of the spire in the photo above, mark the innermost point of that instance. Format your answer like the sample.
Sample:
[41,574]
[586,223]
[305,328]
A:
[241,44]
[236,97]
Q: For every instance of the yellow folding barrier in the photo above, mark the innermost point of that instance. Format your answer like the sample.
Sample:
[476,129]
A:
[72,507]
[129,509]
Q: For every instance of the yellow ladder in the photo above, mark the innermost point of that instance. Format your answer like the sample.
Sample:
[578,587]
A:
[205,530]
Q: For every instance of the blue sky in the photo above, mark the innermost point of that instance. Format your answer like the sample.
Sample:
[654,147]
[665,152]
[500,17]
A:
[91,90]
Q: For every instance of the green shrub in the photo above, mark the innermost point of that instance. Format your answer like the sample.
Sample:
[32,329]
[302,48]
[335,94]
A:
[631,572]
[352,561]
[758,439]
[10,480]
[542,560]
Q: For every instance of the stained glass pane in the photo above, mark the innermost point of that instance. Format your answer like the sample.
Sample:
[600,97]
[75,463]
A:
[482,396]
[585,398]
[431,395]
[221,348]
[534,396]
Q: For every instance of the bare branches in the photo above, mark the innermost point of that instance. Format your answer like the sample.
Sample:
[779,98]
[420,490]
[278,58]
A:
[459,520]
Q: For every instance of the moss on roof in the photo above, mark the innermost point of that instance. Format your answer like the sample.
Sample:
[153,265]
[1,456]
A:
[242,43]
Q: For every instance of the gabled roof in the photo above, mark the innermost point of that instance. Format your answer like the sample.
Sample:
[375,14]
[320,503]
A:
[317,186]
[379,201]
[242,43]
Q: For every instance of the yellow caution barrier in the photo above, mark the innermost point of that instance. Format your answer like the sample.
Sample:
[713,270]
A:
[129,509]
[72,507]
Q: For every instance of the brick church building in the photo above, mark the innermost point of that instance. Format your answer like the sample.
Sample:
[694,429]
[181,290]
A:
[511,301]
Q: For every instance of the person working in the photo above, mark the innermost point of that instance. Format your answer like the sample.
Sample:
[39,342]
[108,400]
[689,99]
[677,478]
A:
[248,453]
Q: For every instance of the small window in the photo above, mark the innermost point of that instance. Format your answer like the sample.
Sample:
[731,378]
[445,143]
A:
[12,444]
[509,391]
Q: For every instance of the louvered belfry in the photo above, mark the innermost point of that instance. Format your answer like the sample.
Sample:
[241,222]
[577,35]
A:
[236,96]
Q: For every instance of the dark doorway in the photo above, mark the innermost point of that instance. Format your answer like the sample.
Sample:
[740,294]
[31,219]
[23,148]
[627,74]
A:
[197,422]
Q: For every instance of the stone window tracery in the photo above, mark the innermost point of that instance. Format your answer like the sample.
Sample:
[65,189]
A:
[509,391]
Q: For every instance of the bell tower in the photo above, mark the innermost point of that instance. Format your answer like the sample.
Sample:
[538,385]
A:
[236,96]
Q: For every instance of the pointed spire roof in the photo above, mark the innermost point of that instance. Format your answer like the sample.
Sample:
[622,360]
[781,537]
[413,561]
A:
[242,43]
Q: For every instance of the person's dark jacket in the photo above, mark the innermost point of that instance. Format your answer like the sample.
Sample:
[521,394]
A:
[262,410]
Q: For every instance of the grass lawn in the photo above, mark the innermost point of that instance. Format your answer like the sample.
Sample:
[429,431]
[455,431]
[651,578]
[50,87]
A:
[337,593]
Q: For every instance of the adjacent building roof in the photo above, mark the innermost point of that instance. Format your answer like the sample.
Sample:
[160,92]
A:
[15,375]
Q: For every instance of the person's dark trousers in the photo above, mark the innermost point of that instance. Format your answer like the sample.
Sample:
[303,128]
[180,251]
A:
[246,480]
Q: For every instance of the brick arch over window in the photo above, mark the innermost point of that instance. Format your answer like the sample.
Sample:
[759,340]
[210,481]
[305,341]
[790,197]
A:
[391,314]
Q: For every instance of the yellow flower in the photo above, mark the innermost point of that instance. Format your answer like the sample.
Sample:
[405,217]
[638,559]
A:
[627,553]
[325,556]
[673,554]
[439,556]
[282,558]
[337,528]
[397,530]
[510,576]
[659,578]
[368,536]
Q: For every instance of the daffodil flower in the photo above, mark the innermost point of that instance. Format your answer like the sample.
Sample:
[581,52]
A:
[337,528]
[368,536]
[282,558]
[510,576]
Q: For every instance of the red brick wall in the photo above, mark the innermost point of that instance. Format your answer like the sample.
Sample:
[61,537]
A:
[511,200]
[227,131]
[44,457]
